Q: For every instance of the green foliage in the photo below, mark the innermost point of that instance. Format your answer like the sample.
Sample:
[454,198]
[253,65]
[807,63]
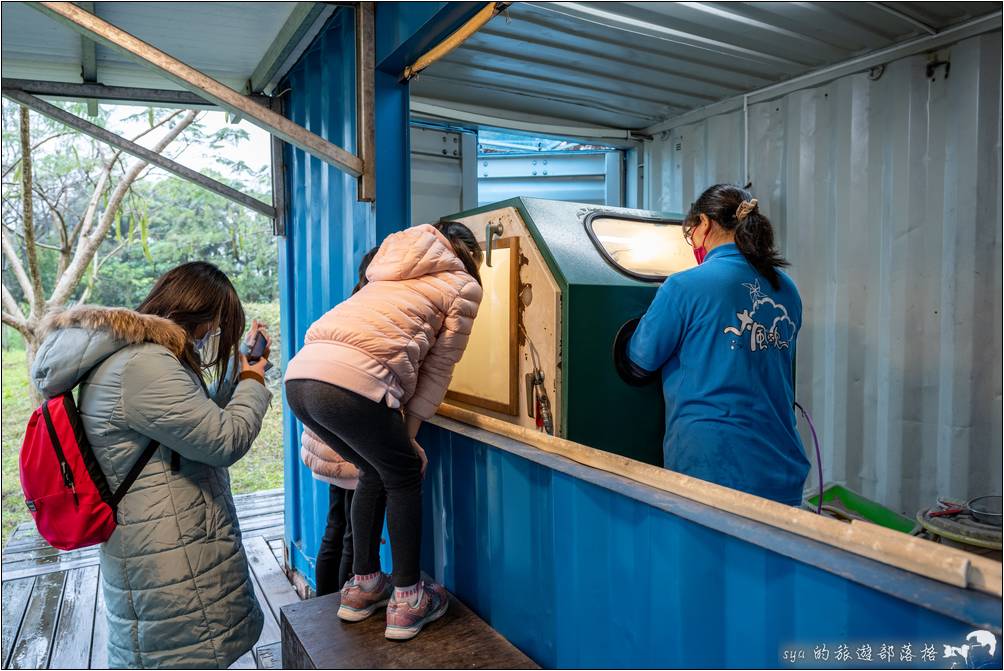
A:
[177,221]
[261,467]
[162,222]
[11,339]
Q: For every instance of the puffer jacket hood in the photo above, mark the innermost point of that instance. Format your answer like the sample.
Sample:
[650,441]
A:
[413,253]
[75,341]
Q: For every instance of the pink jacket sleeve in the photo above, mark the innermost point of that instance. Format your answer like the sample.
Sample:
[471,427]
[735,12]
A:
[437,368]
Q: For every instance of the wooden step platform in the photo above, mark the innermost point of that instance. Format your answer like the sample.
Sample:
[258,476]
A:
[314,638]
[53,607]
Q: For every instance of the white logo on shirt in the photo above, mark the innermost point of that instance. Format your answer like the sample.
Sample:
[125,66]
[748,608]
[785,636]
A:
[768,322]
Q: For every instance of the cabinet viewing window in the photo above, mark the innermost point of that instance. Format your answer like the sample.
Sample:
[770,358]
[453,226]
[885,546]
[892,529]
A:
[486,376]
[645,249]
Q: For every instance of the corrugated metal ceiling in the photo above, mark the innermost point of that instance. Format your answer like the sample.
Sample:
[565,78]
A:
[632,64]
[225,40]
[612,64]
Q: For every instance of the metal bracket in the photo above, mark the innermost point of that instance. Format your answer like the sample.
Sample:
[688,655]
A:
[491,230]
[933,66]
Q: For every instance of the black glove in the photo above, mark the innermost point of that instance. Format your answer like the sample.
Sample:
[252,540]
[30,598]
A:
[628,370]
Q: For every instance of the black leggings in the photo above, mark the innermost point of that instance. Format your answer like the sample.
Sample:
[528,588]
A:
[334,558]
[374,438]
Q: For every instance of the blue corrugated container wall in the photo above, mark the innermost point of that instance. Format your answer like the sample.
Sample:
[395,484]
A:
[583,569]
[328,231]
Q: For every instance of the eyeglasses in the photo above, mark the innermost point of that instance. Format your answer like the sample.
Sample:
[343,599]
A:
[689,226]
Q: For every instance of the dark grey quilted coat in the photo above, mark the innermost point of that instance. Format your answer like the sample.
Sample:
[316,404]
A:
[175,577]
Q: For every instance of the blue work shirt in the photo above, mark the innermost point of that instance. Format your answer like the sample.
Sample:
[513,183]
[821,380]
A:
[724,340]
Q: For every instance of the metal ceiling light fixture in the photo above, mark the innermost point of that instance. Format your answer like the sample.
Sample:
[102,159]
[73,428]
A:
[458,37]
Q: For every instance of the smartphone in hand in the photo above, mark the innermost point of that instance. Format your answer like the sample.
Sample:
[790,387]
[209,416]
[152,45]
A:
[258,349]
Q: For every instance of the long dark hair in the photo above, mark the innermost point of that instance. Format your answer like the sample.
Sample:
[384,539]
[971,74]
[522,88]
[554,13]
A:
[734,209]
[465,245]
[363,265]
[192,295]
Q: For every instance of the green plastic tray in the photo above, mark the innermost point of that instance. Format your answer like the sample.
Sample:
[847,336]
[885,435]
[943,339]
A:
[865,507]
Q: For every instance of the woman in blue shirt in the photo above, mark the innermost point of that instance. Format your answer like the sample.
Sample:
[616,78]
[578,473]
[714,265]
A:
[723,336]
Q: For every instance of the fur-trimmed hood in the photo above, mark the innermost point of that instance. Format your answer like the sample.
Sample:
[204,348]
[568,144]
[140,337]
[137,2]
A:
[74,341]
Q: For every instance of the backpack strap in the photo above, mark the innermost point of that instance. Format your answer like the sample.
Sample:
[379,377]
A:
[134,473]
[64,465]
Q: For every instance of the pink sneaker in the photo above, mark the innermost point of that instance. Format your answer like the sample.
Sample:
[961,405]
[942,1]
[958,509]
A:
[404,620]
[357,604]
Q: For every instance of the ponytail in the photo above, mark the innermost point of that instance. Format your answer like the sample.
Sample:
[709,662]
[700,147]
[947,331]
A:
[736,210]
[465,246]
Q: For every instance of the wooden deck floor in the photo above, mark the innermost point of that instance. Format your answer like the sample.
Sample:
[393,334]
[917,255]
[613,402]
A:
[53,610]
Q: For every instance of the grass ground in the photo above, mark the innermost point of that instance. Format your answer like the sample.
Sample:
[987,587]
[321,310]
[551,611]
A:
[260,469]
[16,410]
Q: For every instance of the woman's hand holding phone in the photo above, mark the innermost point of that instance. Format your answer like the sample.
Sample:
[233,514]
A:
[259,365]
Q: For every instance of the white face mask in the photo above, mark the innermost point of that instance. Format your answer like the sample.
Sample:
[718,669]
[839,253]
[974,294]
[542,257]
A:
[208,342]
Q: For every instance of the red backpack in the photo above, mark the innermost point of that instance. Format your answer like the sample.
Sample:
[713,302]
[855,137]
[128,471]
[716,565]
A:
[63,486]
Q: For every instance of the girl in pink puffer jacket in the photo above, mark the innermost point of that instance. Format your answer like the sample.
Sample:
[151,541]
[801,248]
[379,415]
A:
[371,370]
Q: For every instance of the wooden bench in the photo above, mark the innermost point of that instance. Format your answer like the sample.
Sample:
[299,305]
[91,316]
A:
[314,638]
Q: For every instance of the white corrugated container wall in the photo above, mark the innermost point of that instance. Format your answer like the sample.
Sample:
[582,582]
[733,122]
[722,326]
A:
[886,194]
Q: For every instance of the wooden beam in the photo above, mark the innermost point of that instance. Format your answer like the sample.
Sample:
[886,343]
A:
[909,553]
[365,93]
[138,151]
[200,84]
[455,39]
[279,196]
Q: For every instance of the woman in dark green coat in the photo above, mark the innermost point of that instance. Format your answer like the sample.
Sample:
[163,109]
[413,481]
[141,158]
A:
[176,582]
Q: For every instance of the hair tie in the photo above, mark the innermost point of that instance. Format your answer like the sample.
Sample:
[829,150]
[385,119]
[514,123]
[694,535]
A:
[745,208]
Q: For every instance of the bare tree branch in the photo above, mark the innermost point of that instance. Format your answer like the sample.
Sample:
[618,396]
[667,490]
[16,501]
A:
[14,322]
[97,271]
[91,240]
[35,146]
[15,263]
[37,243]
[27,205]
[87,221]
[12,315]
[64,235]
